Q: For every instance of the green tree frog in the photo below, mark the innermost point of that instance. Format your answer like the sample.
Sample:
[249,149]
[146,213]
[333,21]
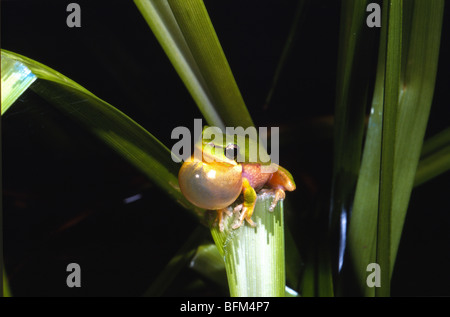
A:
[216,178]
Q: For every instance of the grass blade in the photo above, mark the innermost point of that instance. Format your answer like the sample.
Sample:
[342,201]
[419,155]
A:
[6,290]
[388,141]
[418,84]
[433,166]
[435,157]
[16,78]
[184,30]
[435,143]
[363,223]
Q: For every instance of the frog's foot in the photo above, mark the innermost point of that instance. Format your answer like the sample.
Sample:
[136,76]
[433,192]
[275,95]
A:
[238,208]
[220,217]
[245,214]
[278,193]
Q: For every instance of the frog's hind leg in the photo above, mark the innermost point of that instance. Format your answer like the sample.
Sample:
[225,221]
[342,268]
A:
[248,206]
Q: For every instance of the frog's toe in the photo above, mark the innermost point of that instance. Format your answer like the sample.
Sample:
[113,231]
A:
[220,218]
[250,222]
[246,215]
[240,220]
[279,195]
[227,212]
[238,208]
[236,225]
[242,216]
[221,226]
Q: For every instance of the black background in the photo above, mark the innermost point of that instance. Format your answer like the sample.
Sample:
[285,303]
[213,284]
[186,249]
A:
[63,192]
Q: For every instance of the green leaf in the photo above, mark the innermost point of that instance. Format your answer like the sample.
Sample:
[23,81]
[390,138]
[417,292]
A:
[185,32]
[114,128]
[254,257]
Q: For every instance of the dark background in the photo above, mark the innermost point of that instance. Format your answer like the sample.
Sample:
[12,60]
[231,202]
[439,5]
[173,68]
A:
[63,192]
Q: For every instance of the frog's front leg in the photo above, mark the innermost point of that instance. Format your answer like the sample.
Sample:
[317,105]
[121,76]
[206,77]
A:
[247,206]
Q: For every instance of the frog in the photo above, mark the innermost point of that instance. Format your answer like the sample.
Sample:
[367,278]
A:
[224,172]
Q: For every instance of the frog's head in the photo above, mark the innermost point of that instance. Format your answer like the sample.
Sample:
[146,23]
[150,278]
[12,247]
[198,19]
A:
[241,146]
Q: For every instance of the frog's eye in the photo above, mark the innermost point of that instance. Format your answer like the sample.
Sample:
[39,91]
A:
[231,151]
